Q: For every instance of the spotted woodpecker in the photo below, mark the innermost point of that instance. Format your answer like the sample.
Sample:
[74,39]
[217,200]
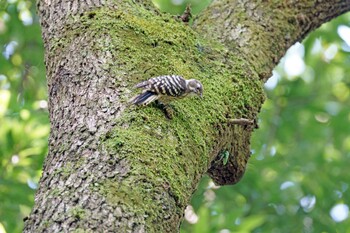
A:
[166,87]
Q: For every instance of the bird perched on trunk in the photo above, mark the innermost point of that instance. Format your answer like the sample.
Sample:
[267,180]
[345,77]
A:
[166,87]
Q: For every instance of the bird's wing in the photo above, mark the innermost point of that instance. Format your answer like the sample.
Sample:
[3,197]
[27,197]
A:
[171,85]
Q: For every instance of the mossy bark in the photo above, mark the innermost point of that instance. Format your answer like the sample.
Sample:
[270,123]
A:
[261,31]
[112,167]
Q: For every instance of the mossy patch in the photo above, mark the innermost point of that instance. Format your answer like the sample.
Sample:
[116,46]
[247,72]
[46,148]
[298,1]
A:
[165,158]
[77,212]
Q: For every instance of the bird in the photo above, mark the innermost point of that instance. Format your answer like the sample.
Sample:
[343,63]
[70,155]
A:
[166,87]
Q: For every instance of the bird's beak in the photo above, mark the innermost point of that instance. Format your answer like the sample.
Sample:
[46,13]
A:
[201,94]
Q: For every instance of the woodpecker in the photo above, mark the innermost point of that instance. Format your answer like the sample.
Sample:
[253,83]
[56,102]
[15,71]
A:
[166,87]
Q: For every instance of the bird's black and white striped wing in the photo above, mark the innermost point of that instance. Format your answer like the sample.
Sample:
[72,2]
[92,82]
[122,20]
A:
[170,85]
[162,86]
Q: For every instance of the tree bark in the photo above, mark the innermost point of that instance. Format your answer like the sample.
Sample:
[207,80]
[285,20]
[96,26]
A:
[116,168]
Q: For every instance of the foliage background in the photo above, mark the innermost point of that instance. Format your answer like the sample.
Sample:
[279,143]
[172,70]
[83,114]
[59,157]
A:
[297,179]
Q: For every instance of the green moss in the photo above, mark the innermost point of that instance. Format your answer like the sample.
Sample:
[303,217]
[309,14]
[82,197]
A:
[77,212]
[54,192]
[69,168]
[164,156]
[66,170]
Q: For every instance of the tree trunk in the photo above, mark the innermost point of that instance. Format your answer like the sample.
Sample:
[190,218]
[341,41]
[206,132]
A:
[118,168]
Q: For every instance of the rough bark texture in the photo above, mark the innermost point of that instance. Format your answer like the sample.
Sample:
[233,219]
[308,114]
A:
[113,168]
[263,30]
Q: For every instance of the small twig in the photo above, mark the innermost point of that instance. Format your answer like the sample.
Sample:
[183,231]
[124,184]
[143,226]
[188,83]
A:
[186,16]
[241,121]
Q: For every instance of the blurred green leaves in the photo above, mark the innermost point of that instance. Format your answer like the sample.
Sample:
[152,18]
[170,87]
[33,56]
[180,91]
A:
[24,124]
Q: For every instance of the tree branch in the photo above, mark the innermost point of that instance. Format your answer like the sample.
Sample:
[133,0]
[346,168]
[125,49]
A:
[262,31]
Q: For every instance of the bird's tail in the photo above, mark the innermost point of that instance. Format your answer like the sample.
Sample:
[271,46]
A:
[144,98]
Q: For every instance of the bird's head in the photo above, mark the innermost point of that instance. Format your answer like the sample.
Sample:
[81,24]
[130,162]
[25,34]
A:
[195,86]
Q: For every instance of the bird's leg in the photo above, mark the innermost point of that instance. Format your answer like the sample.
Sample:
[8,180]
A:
[168,111]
